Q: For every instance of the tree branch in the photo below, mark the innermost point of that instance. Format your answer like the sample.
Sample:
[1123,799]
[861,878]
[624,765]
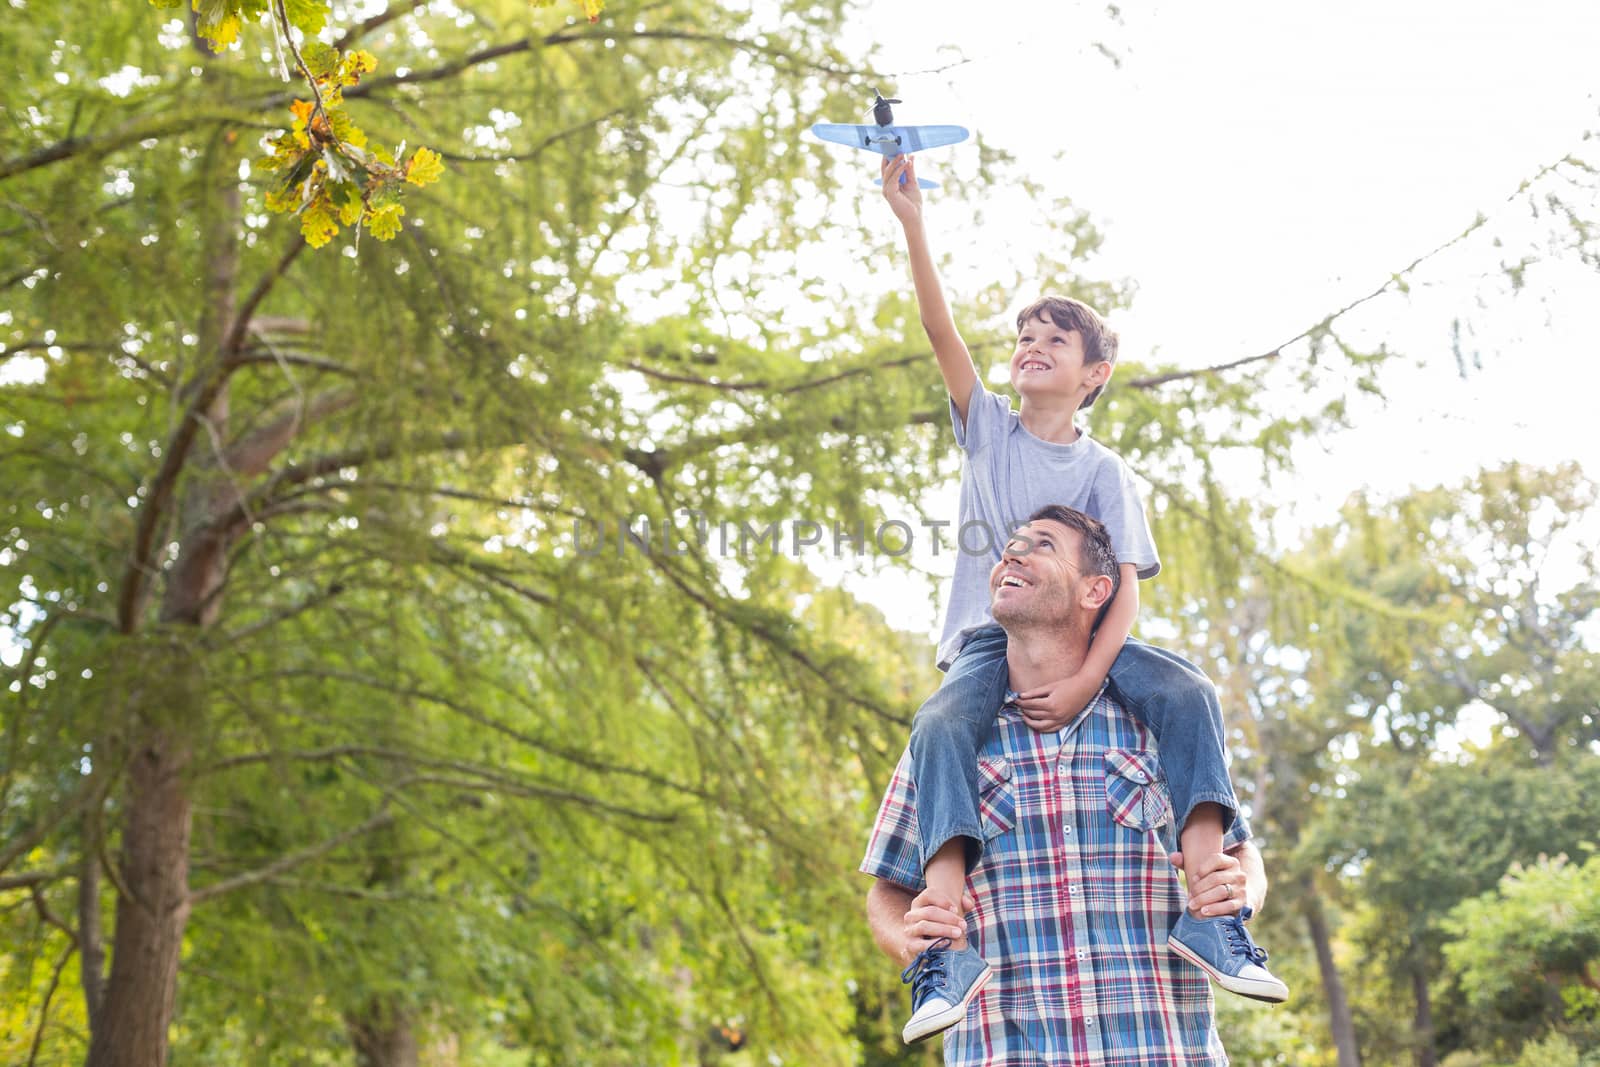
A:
[44,1008]
[774,641]
[140,568]
[233,346]
[379,819]
[1151,381]
[42,906]
[1395,281]
[526,44]
[542,793]
[66,346]
[128,133]
[282,615]
[251,456]
[28,880]
[395,10]
[24,843]
[295,359]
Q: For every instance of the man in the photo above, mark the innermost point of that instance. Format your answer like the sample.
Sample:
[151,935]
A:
[1075,892]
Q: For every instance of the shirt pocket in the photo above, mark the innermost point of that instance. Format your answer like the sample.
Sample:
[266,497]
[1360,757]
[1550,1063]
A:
[997,797]
[1135,794]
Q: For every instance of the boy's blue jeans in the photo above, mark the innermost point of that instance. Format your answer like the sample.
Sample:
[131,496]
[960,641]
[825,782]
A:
[1164,691]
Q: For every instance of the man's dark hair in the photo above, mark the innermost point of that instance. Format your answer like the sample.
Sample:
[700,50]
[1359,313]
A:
[1095,554]
[1099,340]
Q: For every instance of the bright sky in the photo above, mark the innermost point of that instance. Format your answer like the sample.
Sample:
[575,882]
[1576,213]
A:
[1258,165]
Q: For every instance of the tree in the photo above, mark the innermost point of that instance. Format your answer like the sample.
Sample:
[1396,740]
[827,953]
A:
[307,478]
[1527,953]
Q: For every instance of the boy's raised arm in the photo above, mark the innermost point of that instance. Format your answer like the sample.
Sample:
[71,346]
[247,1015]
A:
[955,362]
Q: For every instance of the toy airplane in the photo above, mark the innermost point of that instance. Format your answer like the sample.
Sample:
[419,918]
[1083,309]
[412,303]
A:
[886,138]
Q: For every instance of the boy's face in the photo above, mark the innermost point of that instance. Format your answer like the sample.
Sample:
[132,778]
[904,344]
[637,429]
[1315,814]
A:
[1048,362]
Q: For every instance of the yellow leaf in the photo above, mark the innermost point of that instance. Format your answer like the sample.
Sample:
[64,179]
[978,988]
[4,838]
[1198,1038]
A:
[318,224]
[350,209]
[384,222]
[356,64]
[592,9]
[426,166]
[221,33]
[282,201]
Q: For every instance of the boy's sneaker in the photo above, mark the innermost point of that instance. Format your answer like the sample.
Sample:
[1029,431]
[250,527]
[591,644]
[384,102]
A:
[1223,948]
[943,982]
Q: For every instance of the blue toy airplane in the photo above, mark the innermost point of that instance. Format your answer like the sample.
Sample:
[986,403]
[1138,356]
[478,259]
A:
[890,140]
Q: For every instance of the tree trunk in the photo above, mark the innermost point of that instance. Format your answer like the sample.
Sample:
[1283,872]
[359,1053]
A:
[1422,1021]
[170,706]
[142,991]
[383,1037]
[1339,1020]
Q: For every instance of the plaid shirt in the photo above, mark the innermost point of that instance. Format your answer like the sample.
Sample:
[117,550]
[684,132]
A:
[1075,899]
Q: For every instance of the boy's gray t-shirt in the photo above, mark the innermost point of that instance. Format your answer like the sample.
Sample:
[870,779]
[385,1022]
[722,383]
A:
[1007,475]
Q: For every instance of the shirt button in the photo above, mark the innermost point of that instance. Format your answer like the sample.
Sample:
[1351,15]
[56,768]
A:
[1140,776]
[1065,830]
[1089,1021]
[1073,890]
[1083,954]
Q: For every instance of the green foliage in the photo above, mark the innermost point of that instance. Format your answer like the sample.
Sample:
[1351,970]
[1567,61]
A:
[1528,952]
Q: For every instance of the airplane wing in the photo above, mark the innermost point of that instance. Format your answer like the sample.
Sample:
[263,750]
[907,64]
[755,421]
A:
[922,183]
[845,134]
[889,141]
[916,138]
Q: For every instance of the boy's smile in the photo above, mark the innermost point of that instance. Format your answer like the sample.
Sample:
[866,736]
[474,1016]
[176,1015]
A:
[1044,349]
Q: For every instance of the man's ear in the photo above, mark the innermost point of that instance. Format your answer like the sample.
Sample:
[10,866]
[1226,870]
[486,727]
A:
[1097,592]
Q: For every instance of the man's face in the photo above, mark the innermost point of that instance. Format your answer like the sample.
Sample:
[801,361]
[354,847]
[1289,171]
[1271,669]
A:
[1037,579]
[1048,359]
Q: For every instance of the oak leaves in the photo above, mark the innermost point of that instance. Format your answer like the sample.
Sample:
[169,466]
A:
[331,176]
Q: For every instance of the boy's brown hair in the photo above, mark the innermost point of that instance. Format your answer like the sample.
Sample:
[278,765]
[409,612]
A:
[1099,340]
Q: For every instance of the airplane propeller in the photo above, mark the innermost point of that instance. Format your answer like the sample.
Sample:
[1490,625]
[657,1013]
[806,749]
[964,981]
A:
[882,113]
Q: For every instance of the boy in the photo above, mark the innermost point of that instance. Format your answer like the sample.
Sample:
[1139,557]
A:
[1015,464]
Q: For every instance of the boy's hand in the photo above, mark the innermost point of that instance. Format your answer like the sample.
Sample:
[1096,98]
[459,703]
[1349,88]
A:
[905,198]
[1055,705]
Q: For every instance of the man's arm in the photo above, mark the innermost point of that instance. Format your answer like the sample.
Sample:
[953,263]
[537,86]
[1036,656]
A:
[1054,706]
[1255,874]
[904,924]
[955,362]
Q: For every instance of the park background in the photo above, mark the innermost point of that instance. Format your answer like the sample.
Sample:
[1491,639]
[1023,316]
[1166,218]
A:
[328,738]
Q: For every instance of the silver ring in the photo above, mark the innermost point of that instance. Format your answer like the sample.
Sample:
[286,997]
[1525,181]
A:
[1229,887]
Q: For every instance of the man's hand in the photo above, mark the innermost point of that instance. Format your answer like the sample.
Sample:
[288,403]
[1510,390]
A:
[1222,889]
[1055,705]
[931,916]
[905,199]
